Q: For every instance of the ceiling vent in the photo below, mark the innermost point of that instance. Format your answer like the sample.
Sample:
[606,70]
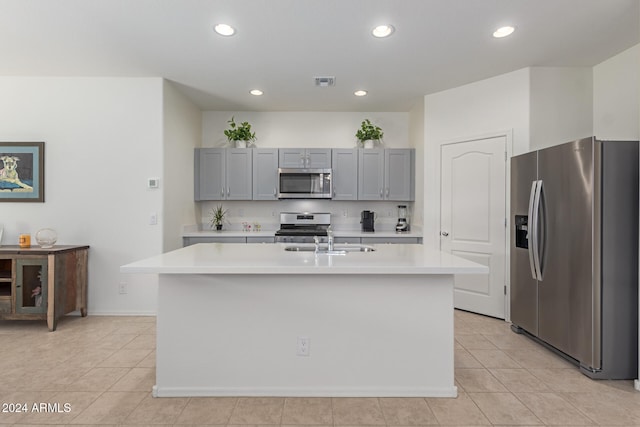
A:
[325,81]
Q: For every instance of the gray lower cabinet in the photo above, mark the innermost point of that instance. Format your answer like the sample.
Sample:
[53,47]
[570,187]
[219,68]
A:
[223,174]
[307,158]
[346,240]
[260,239]
[344,174]
[374,240]
[265,174]
[386,174]
[188,241]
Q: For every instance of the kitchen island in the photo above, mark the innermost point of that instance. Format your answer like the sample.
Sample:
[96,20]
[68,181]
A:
[258,320]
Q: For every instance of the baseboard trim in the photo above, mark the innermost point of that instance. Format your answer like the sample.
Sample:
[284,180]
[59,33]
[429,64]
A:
[305,392]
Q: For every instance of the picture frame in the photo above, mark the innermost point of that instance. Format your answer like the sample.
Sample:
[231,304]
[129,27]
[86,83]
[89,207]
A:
[22,172]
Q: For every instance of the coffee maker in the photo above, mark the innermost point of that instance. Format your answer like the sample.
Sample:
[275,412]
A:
[403,224]
[367,219]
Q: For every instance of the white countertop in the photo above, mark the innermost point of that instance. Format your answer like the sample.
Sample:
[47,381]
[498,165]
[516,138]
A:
[260,258]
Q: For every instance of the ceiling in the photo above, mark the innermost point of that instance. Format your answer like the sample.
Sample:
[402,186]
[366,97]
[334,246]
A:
[281,45]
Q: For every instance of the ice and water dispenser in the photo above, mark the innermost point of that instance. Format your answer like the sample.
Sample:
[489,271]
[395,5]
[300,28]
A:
[522,231]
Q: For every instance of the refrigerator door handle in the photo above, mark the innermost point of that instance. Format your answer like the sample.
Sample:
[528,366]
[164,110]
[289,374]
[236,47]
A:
[536,239]
[532,228]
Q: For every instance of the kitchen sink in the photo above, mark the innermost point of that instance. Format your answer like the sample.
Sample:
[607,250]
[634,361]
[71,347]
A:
[337,250]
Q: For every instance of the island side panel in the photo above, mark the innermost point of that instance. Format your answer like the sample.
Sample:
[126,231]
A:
[370,335]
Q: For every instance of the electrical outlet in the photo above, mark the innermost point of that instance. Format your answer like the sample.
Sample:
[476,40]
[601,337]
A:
[122,288]
[303,346]
[153,219]
[240,212]
[345,213]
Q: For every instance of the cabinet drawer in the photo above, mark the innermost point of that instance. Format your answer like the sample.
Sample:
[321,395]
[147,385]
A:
[187,241]
[260,239]
[373,240]
[5,305]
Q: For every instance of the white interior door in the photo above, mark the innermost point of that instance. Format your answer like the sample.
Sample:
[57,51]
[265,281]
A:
[473,221]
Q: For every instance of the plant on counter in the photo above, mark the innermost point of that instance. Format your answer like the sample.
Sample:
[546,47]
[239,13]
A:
[240,134]
[368,133]
[216,217]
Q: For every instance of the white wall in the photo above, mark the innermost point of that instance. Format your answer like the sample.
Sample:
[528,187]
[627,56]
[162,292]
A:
[498,104]
[306,129]
[561,105]
[416,140]
[182,133]
[616,99]
[103,139]
[616,104]
[312,130]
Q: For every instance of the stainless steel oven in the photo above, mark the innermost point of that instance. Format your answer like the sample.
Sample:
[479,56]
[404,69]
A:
[303,227]
[304,183]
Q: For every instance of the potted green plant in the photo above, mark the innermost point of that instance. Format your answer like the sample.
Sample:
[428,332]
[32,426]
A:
[369,133]
[216,217]
[240,134]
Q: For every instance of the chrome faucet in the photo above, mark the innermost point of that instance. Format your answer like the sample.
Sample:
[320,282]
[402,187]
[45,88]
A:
[317,242]
[330,239]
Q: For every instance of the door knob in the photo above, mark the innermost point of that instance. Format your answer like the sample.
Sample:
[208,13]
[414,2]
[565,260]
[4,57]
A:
[444,233]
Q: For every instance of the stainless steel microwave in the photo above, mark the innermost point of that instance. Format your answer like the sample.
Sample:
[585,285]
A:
[304,183]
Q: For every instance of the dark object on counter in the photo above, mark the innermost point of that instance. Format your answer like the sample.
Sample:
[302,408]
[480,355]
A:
[403,224]
[367,219]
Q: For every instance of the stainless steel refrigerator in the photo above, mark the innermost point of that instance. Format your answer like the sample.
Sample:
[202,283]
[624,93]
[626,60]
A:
[574,252]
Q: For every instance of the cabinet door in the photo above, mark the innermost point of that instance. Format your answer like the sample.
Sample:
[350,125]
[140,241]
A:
[292,158]
[370,174]
[31,285]
[209,167]
[318,158]
[344,174]
[398,174]
[238,174]
[265,174]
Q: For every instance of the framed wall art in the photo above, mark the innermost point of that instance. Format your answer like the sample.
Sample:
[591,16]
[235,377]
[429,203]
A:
[21,171]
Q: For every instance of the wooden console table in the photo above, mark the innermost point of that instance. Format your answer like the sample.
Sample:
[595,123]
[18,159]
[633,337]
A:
[37,283]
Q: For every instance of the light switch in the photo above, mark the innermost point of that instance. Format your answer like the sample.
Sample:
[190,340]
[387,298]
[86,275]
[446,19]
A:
[153,183]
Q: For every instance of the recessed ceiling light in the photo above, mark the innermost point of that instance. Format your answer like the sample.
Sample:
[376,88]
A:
[503,32]
[382,31]
[256,92]
[224,30]
[360,93]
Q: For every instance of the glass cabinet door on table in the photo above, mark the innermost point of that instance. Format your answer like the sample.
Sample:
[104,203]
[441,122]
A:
[31,286]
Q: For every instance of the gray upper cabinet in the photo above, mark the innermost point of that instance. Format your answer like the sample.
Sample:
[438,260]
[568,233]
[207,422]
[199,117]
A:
[209,167]
[223,174]
[386,174]
[316,158]
[239,171]
[265,174]
[344,174]
[399,176]
[370,174]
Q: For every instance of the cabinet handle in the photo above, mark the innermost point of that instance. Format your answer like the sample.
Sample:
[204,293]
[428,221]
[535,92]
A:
[387,192]
[381,193]
[228,191]
[222,192]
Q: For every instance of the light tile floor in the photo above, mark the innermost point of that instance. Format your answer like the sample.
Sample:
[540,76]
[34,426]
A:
[104,368]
